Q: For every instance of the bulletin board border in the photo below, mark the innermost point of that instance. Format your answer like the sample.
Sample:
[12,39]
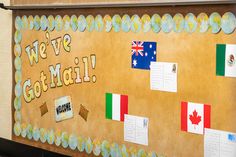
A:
[135,24]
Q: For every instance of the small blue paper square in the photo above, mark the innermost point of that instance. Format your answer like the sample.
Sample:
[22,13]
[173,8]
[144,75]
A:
[232,138]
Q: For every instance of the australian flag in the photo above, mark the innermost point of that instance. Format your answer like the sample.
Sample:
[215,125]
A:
[142,54]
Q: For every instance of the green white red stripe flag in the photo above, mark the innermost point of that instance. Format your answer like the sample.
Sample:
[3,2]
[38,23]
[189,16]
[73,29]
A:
[225,60]
[116,106]
[195,117]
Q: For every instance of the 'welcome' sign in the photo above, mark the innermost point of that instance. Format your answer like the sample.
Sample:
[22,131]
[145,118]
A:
[63,108]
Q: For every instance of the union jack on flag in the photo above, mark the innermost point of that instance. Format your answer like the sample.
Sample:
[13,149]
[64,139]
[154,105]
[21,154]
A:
[143,53]
[137,48]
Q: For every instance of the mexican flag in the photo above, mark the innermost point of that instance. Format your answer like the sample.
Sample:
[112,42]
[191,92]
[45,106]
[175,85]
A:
[116,106]
[225,60]
[195,117]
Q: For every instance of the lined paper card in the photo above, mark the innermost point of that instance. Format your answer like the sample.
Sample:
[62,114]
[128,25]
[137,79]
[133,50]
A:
[163,76]
[136,129]
[219,143]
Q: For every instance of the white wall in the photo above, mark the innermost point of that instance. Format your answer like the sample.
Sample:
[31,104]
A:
[5,72]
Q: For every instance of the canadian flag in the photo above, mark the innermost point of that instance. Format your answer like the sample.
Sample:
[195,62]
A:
[195,117]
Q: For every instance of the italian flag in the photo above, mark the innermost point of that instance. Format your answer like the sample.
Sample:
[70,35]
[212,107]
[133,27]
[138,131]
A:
[195,117]
[225,60]
[116,106]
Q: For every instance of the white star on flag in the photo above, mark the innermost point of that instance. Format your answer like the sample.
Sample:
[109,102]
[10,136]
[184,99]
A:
[135,62]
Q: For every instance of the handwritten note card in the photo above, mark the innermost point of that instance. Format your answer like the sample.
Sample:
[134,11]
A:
[219,143]
[163,76]
[136,129]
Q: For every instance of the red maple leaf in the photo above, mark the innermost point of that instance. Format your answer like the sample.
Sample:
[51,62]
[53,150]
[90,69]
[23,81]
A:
[195,118]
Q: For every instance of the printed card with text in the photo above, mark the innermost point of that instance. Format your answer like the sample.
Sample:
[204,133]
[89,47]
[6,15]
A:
[63,108]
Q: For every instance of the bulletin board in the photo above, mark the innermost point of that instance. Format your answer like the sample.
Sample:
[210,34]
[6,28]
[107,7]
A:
[111,72]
